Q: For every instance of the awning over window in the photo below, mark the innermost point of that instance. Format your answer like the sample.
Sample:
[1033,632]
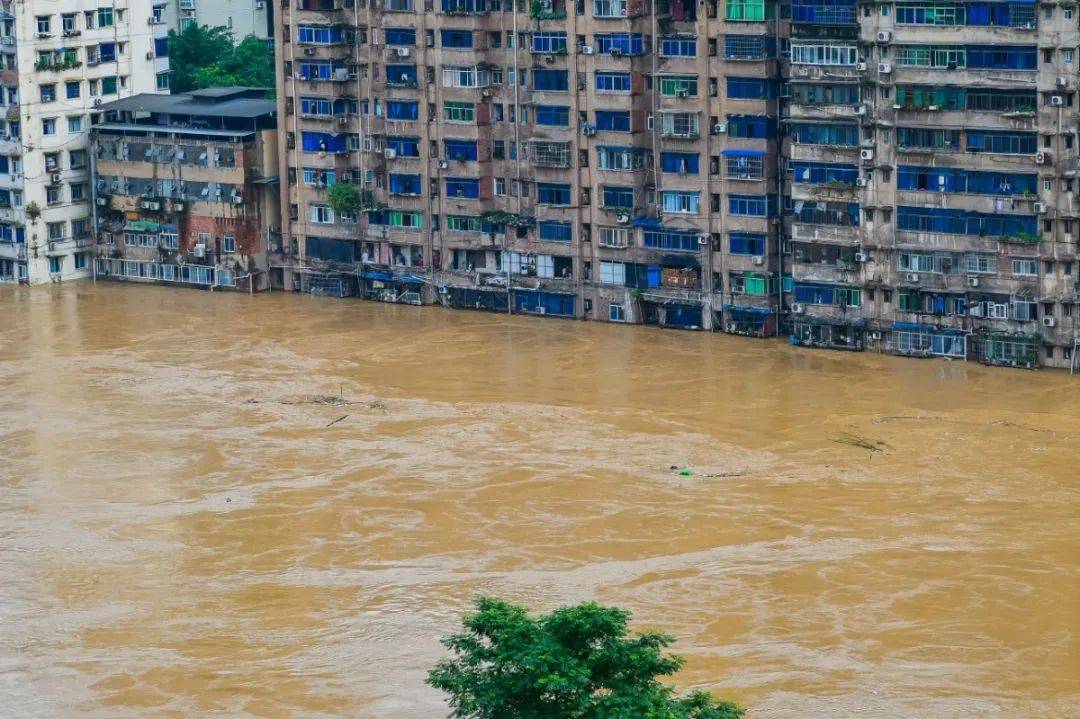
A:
[743,153]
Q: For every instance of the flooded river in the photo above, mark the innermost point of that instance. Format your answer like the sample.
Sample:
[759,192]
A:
[273,506]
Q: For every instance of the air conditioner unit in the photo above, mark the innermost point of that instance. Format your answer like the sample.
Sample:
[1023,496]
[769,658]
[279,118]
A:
[1062,81]
[1048,322]
[622,219]
[443,164]
[759,260]
[861,257]
[238,200]
[866,155]
[150,205]
[798,308]
[54,178]
[178,206]
[486,92]
[702,240]
[912,277]
[860,66]
[884,36]
[860,182]
[860,109]
[341,74]
[343,121]
[1039,207]
[309,51]
[98,102]
[150,55]
[1057,100]
[682,94]
[588,130]
[549,59]
[719,128]
[875,335]
[973,281]
[615,52]
[102,201]
[884,68]
[199,250]
[1041,158]
[587,50]
[389,153]
[403,52]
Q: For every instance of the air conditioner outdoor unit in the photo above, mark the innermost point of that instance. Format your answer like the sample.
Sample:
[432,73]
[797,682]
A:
[1057,100]
[150,55]
[860,182]
[486,92]
[719,128]
[875,335]
[199,250]
[588,130]
[178,206]
[238,200]
[403,52]
[973,281]
[389,153]
[549,59]
[443,164]
[912,277]
[861,257]
[860,109]
[798,308]
[866,155]
[309,51]
[1048,321]
[860,66]
[759,260]
[1039,207]
[1062,81]
[884,36]
[702,240]
[587,50]
[98,102]
[682,94]
[622,219]
[102,201]
[54,178]
[616,52]
[1041,158]
[884,68]
[341,74]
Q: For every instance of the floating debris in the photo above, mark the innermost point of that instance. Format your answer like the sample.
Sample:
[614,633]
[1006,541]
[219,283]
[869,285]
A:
[861,442]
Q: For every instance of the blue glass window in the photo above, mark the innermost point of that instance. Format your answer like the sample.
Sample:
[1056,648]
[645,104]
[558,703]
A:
[401,75]
[557,115]
[749,205]
[402,109]
[959,222]
[749,127]
[680,162]
[404,184]
[680,240]
[460,149]
[549,42]
[456,38]
[463,187]
[613,81]
[624,43]
[405,36]
[678,47]
[746,243]
[823,173]
[749,88]
[550,193]
[551,80]
[319,35]
[826,134]
[614,120]
[618,196]
[404,146]
[553,231]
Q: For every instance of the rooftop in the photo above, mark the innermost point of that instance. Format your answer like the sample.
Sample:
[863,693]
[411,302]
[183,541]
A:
[234,102]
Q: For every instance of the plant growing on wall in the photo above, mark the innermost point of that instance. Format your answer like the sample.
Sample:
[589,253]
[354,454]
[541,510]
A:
[33,212]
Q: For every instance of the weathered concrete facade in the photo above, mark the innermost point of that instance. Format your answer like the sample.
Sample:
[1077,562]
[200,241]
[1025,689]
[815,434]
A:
[186,189]
[851,175]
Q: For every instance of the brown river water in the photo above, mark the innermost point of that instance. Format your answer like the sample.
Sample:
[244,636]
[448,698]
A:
[185,531]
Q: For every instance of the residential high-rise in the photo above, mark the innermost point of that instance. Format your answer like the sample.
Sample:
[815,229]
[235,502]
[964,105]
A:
[241,17]
[60,63]
[895,176]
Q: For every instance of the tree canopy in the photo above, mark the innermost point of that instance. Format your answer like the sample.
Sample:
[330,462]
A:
[577,662]
[202,56]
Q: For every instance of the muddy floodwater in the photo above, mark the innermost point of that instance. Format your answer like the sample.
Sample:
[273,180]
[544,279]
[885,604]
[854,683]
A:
[218,505]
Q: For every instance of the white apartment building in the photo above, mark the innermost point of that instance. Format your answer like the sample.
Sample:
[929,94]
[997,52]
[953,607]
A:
[241,17]
[58,62]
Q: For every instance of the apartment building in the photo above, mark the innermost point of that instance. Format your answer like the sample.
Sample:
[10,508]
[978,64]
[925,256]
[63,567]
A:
[242,17]
[185,188]
[58,64]
[891,176]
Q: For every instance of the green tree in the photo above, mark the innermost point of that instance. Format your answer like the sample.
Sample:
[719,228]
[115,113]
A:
[249,64]
[198,46]
[575,663]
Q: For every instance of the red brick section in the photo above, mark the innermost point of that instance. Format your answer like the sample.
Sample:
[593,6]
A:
[244,229]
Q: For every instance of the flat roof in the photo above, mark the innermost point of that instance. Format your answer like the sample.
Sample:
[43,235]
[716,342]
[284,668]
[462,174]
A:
[170,129]
[211,102]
